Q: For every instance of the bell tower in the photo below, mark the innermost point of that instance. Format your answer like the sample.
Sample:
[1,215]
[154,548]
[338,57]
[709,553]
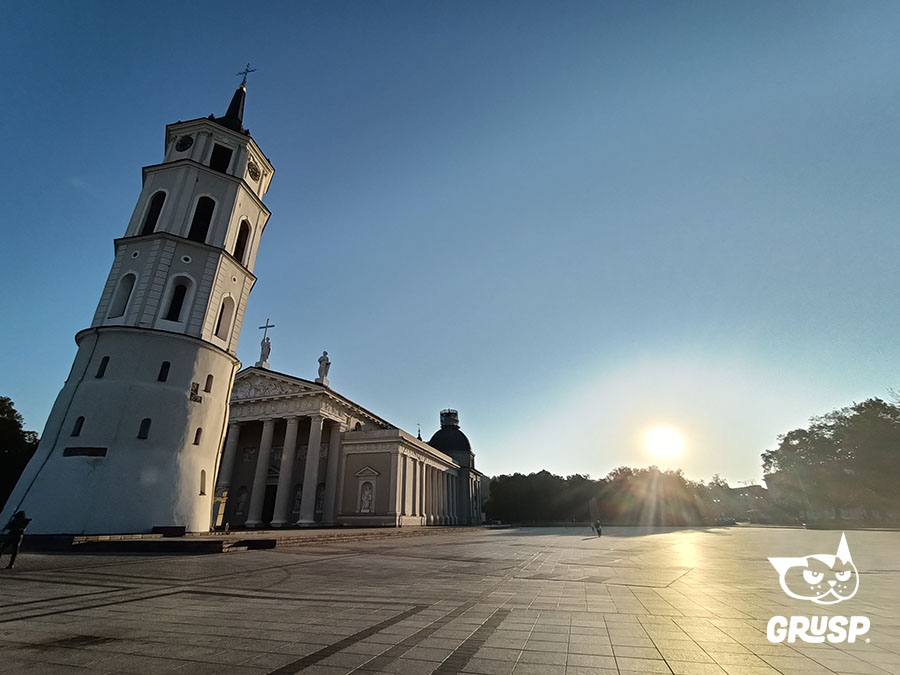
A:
[134,436]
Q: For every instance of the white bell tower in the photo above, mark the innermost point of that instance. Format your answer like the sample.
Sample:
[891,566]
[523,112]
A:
[134,437]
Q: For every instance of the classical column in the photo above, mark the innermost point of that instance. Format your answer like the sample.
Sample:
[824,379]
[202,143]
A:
[414,487]
[331,474]
[404,502]
[285,494]
[432,491]
[429,511]
[226,468]
[392,495]
[444,510]
[456,500]
[258,495]
[422,491]
[439,495]
[311,473]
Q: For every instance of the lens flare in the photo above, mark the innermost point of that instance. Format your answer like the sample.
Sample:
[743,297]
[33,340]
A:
[664,442]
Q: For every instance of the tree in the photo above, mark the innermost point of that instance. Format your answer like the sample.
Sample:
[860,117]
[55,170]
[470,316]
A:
[845,459]
[16,447]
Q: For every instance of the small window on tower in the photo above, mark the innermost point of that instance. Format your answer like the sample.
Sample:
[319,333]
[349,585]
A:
[202,218]
[164,371]
[121,296]
[209,384]
[226,312]
[156,204]
[220,158]
[101,370]
[76,430]
[179,292]
[144,431]
[202,481]
[240,245]
[197,436]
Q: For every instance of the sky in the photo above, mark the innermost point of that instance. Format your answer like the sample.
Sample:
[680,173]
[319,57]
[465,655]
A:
[571,221]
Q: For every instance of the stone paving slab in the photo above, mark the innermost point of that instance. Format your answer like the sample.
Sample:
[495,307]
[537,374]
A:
[479,602]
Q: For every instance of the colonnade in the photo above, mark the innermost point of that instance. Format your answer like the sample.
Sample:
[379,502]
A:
[284,493]
[427,491]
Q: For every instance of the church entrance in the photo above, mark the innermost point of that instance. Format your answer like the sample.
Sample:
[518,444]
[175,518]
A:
[268,510]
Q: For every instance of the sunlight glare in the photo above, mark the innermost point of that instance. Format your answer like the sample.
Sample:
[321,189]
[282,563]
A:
[664,442]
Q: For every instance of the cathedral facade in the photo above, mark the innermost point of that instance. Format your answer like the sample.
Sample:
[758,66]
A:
[139,436]
[298,453]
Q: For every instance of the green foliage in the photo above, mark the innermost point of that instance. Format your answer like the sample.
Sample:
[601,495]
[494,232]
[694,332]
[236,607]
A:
[16,447]
[628,496]
[845,459]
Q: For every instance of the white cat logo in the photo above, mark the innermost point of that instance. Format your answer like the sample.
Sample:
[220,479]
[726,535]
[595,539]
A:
[823,578]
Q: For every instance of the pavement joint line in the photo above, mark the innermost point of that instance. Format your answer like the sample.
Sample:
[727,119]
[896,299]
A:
[461,656]
[61,598]
[37,615]
[329,650]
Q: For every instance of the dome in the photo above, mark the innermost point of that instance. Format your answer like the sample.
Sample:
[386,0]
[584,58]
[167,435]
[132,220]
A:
[450,441]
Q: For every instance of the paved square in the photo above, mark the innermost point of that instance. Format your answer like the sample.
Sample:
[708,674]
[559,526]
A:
[484,602]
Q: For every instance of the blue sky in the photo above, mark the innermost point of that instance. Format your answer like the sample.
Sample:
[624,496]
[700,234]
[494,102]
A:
[572,221]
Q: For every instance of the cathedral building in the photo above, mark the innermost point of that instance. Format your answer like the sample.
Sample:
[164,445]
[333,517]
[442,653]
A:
[137,435]
[298,454]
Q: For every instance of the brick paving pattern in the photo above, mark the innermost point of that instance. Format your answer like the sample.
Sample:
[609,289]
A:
[479,602]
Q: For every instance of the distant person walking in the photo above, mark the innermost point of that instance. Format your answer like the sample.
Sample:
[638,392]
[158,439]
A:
[15,533]
[597,526]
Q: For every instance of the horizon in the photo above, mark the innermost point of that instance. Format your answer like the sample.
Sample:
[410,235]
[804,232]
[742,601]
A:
[572,224]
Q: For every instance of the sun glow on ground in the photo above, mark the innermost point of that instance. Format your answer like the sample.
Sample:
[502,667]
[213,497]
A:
[664,442]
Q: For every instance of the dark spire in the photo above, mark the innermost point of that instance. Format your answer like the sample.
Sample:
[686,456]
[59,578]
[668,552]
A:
[234,118]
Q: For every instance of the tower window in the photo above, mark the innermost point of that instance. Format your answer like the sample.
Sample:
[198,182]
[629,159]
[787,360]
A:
[164,371]
[197,436]
[240,245]
[101,369]
[76,429]
[202,481]
[209,384]
[176,304]
[144,431]
[202,218]
[155,208]
[220,159]
[121,296]
[226,312]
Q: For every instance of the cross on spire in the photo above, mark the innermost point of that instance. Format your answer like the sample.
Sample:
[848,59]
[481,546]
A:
[265,329]
[246,71]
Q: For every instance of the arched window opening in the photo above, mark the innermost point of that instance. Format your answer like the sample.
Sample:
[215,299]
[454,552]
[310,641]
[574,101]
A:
[164,371]
[101,369]
[220,159]
[226,312]
[179,293]
[202,481]
[156,204]
[240,245]
[209,384]
[121,296]
[202,218]
[197,435]
[357,427]
[144,431]
[76,429]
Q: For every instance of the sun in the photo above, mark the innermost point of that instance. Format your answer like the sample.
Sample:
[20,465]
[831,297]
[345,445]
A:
[664,442]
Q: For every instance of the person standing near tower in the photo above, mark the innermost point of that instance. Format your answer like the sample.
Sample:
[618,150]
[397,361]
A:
[14,536]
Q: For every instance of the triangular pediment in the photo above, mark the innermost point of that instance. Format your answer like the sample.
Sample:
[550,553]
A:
[254,384]
[367,472]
